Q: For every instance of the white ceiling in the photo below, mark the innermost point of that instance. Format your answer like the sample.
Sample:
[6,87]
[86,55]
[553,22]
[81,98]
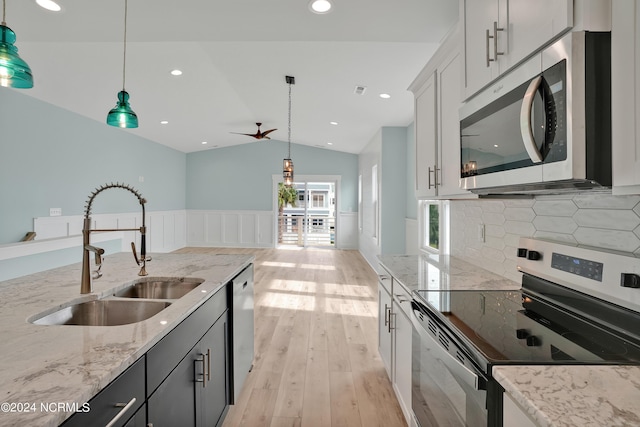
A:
[234,56]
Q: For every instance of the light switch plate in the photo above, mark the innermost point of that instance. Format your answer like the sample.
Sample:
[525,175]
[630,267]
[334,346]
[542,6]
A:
[55,211]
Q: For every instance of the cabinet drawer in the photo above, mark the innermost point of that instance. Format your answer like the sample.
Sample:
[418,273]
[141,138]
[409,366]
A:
[402,299]
[167,354]
[111,401]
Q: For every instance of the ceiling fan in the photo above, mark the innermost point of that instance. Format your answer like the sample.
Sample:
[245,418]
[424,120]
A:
[258,134]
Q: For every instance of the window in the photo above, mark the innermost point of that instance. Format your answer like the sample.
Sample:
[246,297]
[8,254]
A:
[318,200]
[360,213]
[433,226]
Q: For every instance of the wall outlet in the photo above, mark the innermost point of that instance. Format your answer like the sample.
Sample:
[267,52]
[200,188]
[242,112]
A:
[55,211]
[481,235]
[141,178]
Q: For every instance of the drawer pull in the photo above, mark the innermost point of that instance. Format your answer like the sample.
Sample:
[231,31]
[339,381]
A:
[125,407]
[208,364]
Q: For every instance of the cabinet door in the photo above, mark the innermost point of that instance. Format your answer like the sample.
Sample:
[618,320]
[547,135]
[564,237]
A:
[384,330]
[402,329]
[173,403]
[449,126]
[532,25]
[212,395]
[625,96]
[479,16]
[426,138]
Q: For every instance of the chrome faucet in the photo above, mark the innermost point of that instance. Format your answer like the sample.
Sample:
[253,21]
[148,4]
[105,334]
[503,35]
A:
[85,284]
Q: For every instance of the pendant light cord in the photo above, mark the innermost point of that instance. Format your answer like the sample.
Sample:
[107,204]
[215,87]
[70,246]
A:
[124,58]
[289,130]
[4,7]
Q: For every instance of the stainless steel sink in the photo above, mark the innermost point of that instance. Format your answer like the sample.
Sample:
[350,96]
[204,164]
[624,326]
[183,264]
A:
[159,288]
[104,312]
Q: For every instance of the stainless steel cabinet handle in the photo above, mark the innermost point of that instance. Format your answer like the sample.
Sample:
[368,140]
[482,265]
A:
[495,43]
[436,169]
[125,407]
[394,316]
[495,40]
[200,380]
[525,121]
[208,364]
[435,176]
[386,314]
[488,56]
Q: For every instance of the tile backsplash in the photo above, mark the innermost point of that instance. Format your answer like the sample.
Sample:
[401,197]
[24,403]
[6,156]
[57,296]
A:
[596,220]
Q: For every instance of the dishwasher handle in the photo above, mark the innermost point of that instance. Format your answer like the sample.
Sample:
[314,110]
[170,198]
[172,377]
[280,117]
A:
[455,366]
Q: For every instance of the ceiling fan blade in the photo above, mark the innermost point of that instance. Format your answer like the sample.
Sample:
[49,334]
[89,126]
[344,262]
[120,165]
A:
[267,132]
[247,134]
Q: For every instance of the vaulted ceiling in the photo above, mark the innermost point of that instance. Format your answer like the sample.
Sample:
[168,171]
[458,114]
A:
[234,56]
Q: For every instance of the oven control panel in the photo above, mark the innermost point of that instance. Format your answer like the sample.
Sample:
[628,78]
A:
[612,276]
[580,266]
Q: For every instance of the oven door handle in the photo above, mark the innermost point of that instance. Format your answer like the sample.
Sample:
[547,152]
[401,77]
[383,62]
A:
[525,121]
[460,371]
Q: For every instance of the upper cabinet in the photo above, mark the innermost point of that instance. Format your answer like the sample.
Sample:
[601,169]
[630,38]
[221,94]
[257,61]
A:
[625,96]
[437,91]
[499,34]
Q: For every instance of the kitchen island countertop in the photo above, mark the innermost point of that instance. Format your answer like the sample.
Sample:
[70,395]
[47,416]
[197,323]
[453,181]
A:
[43,366]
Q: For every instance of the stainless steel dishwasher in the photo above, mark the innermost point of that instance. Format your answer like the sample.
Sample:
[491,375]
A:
[242,329]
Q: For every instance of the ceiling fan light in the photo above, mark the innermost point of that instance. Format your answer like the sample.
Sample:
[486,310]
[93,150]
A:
[14,71]
[122,115]
[320,6]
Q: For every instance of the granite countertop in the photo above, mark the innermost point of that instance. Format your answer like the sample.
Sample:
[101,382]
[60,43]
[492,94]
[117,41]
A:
[442,272]
[67,364]
[575,396]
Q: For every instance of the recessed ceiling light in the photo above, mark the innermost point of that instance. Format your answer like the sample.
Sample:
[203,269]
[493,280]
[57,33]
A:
[320,6]
[333,123]
[385,96]
[204,142]
[163,122]
[49,5]
[176,72]
[329,143]
[495,145]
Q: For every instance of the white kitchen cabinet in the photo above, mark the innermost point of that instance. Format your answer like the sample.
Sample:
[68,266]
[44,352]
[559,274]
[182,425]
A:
[437,92]
[384,328]
[625,96]
[499,34]
[402,329]
[426,138]
[395,333]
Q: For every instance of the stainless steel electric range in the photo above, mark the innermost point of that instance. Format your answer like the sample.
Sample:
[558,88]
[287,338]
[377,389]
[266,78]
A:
[576,306]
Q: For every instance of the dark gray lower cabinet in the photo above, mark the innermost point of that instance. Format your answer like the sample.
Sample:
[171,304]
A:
[196,392]
[181,381]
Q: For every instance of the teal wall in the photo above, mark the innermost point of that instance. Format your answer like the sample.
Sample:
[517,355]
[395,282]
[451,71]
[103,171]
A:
[53,158]
[239,178]
[412,201]
[393,204]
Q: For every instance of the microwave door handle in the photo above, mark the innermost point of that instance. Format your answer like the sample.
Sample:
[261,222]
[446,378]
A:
[525,121]
[461,372]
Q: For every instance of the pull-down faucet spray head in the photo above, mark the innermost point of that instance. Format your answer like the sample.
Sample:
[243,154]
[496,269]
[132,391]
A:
[85,285]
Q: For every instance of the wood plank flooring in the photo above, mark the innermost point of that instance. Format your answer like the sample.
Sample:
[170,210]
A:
[316,343]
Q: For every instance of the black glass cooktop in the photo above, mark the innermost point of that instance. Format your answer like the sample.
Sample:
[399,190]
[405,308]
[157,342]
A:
[542,324]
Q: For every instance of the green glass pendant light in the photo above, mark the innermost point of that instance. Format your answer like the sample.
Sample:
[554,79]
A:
[14,71]
[122,115]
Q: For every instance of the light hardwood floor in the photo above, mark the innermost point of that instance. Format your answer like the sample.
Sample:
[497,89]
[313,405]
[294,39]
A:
[316,343]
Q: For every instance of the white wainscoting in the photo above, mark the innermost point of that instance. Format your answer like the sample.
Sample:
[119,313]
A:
[166,230]
[253,229]
[245,229]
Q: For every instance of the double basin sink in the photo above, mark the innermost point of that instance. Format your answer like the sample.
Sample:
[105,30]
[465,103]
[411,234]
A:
[134,303]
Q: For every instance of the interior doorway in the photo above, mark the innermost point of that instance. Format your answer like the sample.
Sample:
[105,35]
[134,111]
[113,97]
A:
[307,213]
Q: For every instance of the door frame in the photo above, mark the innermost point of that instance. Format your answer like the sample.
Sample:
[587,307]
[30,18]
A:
[304,178]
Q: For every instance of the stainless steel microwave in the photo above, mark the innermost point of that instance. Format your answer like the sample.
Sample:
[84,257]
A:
[545,126]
